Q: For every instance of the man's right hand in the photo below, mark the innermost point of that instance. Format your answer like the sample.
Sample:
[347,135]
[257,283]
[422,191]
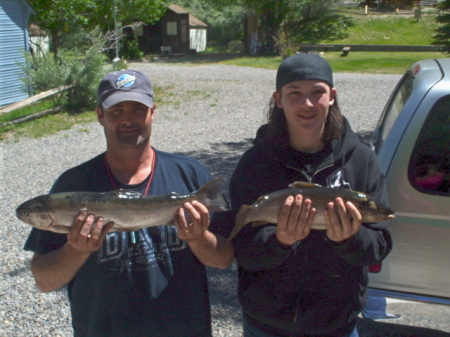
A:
[87,233]
[58,267]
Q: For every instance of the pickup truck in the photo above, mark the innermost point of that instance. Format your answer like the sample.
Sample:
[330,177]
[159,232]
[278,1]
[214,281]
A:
[412,140]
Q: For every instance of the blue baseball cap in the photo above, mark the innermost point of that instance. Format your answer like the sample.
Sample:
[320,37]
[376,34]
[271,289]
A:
[124,85]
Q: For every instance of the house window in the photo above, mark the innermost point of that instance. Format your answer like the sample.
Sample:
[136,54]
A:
[172,28]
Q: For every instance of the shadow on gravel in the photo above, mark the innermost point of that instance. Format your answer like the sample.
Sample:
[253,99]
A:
[369,328]
[222,158]
[364,136]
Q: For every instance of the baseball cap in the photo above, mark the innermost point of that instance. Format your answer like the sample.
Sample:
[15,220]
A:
[124,85]
[303,67]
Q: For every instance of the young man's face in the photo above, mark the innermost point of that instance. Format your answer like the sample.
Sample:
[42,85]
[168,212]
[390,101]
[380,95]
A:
[306,104]
[127,124]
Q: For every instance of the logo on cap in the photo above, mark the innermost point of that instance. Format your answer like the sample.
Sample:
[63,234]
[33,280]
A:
[125,81]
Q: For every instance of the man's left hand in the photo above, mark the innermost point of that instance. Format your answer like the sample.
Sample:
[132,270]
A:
[193,225]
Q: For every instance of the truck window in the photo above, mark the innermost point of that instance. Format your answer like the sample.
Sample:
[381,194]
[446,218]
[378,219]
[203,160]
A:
[429,166]
[396,105]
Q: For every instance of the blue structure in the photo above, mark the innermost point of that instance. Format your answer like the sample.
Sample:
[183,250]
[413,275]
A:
[14,41]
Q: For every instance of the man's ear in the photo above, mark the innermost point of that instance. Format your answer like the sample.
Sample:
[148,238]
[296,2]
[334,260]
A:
[332,96]
[100,115]
[153,111]
[277,98]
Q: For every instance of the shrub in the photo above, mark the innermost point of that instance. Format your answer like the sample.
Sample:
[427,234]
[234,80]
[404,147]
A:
[80,71]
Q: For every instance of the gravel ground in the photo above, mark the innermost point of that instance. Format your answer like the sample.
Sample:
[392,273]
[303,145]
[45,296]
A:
[213,113]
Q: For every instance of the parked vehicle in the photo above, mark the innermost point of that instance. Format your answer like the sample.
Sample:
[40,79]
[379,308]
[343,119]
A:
[412,140]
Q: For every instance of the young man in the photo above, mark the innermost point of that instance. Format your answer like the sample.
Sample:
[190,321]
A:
[295,280]
[151,282]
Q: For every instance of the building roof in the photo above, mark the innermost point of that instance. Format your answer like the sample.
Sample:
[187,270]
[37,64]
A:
[177,9]
[193,21]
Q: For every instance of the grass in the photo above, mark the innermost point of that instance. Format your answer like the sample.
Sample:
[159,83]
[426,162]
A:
[357,62]
[397,30]
[25,111]
[46,125]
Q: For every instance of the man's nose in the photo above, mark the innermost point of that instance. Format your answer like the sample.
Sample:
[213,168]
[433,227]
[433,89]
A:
[307,101]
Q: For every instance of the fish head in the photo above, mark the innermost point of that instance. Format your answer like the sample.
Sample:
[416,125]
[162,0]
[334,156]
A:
[375,211]
[36,213]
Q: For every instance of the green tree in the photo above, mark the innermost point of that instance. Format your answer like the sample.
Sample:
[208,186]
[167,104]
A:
[313,21]
[224,23]
[61,17]
[442,34]
[270,13]
[293,21]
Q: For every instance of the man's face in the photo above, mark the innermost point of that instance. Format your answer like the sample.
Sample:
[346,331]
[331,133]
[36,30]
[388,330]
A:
[306,104]
[127,124]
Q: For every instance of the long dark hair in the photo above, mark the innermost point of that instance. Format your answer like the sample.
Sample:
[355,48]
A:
[276,129]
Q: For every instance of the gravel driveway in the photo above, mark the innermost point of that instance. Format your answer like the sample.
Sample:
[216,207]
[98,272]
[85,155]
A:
[213,114]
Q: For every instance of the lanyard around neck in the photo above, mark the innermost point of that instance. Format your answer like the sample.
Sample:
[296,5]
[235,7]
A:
[150,178]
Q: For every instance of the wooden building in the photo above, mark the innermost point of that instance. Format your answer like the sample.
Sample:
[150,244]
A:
[178,32]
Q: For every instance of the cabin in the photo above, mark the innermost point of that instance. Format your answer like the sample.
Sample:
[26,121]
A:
[14,41]
[178,32]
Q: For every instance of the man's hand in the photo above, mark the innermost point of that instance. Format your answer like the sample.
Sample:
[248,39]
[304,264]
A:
[56,268]
[87,233]
[210,249]
[195,224]
[295,220]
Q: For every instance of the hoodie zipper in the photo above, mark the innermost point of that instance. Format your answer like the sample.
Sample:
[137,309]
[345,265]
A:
[310,180]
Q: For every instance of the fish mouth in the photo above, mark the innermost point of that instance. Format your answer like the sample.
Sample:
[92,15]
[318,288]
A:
[24,219]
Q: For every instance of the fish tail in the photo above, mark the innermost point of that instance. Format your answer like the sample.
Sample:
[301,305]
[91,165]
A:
[212,191]
[240,221]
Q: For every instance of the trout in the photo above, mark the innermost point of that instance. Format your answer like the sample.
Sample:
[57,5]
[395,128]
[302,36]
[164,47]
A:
[129,210]
[266,208]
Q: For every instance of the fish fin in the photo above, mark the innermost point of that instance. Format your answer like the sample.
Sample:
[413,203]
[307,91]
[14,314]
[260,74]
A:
[303,184]
[213,192]
[240,221]
[259,223]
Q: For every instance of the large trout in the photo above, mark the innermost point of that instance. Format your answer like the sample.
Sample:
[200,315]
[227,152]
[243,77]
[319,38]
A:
[129,210]
[266,208]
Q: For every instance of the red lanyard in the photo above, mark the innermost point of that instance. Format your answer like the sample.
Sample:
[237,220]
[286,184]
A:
[150,178]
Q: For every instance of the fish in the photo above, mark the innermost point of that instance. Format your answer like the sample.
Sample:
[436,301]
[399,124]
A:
[129,210]
[266,208]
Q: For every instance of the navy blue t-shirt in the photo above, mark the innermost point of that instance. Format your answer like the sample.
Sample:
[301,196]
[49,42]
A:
[154,287]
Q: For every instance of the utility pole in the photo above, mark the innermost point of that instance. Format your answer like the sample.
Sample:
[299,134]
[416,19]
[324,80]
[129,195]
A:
[117,58]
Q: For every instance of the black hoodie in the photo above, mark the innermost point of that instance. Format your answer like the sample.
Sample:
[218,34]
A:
[316,287]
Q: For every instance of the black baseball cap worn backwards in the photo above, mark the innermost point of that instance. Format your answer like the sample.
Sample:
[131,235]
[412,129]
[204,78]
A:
[303,67]
[124,85]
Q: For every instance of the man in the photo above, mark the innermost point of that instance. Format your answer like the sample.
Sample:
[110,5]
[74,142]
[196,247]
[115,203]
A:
[151,282]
